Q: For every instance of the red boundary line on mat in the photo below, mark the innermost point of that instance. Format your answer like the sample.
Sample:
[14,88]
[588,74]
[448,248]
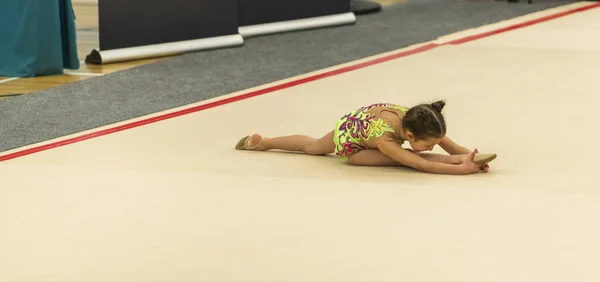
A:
[523,24]
[421,49]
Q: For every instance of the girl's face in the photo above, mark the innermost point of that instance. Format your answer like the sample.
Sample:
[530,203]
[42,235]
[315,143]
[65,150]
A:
[422,145]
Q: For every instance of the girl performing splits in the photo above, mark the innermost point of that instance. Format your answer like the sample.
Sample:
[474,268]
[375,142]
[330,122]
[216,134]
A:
[373,136]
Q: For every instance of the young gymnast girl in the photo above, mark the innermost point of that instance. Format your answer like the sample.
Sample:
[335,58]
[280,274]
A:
[373,136]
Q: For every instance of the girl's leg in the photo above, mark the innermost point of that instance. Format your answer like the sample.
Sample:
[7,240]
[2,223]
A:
[441,158]
[298,143]
[374,157]
[371,157]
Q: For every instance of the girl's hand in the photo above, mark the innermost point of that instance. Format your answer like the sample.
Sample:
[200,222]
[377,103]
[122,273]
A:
[468,166]
[484,167]
[469,158]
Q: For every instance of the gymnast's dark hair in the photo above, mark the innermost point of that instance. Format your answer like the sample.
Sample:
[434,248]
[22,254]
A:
[426,121]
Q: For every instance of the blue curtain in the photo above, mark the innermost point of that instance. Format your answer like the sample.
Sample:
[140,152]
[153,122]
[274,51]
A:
[37,37]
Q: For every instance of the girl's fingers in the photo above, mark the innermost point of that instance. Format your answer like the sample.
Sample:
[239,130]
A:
[485,167]
[473,154]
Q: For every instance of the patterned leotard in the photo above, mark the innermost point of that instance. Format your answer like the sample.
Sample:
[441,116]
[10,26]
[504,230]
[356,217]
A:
[357,130]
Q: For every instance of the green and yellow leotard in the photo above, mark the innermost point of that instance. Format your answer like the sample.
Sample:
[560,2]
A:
[366,126]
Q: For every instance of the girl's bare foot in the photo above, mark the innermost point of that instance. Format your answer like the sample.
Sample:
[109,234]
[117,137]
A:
[251,142]
[459,159]
[255,143]
[479,159]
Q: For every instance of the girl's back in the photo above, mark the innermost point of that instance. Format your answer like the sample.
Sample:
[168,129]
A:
[364,127]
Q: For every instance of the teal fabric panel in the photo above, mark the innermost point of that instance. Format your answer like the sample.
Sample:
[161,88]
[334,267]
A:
[37,37]
[69,35]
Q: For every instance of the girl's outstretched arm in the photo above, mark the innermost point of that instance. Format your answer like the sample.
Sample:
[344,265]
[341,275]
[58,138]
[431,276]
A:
[452,147]
[396,152]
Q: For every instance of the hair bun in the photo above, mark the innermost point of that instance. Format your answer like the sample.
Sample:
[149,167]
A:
[438,106]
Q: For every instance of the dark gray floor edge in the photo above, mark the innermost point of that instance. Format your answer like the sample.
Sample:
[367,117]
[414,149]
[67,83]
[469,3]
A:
[190,78]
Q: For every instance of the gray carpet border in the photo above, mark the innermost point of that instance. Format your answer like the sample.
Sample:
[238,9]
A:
[194,77]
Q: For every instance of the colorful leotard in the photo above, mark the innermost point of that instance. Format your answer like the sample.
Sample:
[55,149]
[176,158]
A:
[357,130]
